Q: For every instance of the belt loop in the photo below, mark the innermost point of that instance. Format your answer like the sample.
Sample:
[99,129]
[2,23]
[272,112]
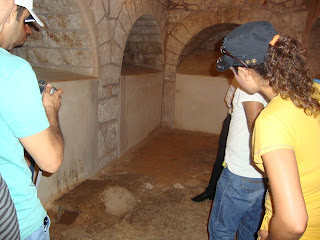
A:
[224,164]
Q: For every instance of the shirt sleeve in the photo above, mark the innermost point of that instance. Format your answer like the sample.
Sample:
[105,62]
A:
[270,133]
[245,97]
[23,111]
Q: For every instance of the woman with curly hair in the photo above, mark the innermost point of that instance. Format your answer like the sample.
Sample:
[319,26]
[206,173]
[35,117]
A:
[286,138]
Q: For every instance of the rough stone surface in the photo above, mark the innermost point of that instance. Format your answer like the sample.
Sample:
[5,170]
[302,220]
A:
[108,110]
[98,10]
[103,31]
[101,145]
[45,56]
[110,74]
[102,91]
[64,22]
[116,8]
[112,135]
[77,58]
[105,53]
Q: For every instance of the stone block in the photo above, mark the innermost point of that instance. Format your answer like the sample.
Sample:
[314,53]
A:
[115,8]
[124,19]
[105,53]
[64,22]
[110,74]
[78,58]
[102,91]
[278,1]
[223,3]
[299,19]
[112,136]
[112,27]
[231,15]
[98,10]
[115,90]
[107,158]
[289,4]
[131,8]
[57,6]
[45,55]
[182,34]
[108,110]
[119,35]
[65,39]
[175,16]
[116,54]
[237,2]
[174,45]
[106,5]
[101,145]
[103,31]
[171,58]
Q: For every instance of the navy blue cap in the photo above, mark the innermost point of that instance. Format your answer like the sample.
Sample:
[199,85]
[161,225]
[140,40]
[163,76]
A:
[248,42]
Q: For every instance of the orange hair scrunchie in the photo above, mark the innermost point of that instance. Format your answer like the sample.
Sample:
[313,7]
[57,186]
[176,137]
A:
[274,40]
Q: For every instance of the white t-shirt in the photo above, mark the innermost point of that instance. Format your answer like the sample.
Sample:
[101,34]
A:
[238,156]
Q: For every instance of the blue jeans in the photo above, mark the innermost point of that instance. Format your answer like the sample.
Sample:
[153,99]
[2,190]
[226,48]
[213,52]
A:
[42,233]
[237,207]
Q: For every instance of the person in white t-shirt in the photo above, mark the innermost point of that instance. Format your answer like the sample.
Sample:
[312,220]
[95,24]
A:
[240,192]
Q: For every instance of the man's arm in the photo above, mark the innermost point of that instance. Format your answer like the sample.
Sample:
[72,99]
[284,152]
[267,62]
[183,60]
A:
[252,110]
[290,217]
[46,147]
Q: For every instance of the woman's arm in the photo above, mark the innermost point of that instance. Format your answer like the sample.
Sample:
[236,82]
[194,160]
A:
[290,215]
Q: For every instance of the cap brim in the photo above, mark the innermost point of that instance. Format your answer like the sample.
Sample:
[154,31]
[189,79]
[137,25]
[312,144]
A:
[36,18]
[29,19]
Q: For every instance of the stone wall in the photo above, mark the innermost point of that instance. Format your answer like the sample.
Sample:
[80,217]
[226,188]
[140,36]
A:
[113,21]
[89,37]
[187,18]
[65,42]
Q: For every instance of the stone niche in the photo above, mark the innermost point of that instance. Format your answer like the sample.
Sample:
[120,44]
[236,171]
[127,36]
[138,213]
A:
[141,83]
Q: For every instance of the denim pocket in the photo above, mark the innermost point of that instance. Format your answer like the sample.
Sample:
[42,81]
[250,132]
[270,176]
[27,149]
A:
[252,185]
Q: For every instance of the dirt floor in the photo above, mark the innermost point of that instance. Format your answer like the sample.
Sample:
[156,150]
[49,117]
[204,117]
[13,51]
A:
[146,194]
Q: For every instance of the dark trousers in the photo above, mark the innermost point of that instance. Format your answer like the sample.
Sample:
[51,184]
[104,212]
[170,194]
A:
[217,167]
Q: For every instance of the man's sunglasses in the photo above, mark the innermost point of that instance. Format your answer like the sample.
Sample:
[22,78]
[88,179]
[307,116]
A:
[224,51]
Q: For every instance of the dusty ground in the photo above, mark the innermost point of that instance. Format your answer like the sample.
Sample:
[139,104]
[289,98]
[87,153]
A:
[144,195]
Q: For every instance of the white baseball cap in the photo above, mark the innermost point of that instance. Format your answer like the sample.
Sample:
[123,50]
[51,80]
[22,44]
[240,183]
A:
[28,4]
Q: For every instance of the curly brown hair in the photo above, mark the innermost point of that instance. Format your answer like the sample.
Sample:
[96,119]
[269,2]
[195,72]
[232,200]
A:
[287,70]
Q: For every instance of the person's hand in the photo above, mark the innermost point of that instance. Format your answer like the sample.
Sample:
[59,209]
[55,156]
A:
[263,235]
[51,102]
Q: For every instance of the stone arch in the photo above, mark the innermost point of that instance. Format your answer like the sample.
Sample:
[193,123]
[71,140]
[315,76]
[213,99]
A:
[66,42]
[191,25]
[144,47]
[141,82]
[114,20]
